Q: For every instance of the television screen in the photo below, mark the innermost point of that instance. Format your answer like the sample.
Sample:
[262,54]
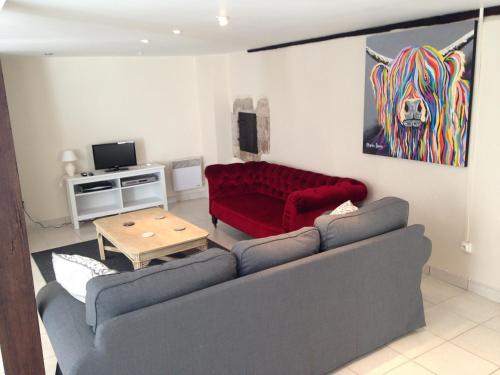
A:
[114,155]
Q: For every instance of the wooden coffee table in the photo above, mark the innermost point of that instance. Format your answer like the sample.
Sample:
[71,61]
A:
[167,239]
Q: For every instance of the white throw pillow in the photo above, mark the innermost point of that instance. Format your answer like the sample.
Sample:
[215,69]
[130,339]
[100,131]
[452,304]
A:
[73,272]
[344,208]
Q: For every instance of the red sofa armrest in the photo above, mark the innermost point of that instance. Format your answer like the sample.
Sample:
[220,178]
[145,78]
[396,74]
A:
[303,206]
[229,179]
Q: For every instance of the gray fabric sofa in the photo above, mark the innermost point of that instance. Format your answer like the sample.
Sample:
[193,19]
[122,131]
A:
[308,316]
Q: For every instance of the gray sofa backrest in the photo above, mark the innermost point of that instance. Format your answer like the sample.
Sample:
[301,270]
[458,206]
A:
[309,316]
[372,219]
[262,253]
[113,295]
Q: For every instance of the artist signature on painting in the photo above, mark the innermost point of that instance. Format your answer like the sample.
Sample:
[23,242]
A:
[375,145]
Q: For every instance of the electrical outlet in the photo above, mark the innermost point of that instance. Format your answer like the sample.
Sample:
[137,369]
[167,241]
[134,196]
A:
[466,247]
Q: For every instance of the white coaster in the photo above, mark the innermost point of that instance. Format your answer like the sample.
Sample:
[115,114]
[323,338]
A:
[148,234]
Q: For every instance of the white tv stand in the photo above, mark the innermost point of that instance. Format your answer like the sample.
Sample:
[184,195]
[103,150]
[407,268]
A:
[118,198]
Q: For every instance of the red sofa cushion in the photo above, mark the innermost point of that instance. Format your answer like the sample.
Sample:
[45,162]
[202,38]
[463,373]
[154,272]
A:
[256,214]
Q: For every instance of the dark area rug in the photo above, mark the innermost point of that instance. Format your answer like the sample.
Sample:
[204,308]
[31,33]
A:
[116,261]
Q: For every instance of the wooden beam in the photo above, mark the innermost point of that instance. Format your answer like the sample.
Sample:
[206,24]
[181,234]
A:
[437,20]
[19,331]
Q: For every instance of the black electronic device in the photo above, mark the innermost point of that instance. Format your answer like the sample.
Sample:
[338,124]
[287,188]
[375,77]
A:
[114,156]
[95,186]
[138,180]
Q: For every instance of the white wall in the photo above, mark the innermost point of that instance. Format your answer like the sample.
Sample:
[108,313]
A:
[72,103]
[484,268]
[316,95]
[214,106]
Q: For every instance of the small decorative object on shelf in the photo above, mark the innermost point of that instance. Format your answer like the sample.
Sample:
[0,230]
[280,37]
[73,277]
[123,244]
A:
[68,157]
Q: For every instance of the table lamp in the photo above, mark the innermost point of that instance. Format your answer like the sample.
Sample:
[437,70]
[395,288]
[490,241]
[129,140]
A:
[68,157]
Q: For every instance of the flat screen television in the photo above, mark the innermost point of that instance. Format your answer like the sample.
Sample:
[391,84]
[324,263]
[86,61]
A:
[114,156]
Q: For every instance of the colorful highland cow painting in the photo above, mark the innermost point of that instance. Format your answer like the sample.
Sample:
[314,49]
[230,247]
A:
[418,93]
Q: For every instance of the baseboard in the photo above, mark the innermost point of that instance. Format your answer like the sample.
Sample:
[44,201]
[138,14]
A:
[188,195]
[483,290]
[49,222]
[448,277]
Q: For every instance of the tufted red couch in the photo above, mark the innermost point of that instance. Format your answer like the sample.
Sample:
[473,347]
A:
[264,199]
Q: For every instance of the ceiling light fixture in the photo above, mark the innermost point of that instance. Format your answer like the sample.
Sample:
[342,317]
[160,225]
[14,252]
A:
[48,53]
[145,41]
[176,31]
[223,20]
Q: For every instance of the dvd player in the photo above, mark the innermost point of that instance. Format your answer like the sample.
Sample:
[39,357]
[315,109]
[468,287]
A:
[95,186]
[138,180]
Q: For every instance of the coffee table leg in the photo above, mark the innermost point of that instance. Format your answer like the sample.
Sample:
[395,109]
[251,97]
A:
[100,241]
[140,264]
[203,247]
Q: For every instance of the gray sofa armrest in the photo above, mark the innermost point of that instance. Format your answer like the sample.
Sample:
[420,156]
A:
[64,320]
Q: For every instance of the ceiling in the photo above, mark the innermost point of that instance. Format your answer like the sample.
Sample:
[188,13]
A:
[115,27]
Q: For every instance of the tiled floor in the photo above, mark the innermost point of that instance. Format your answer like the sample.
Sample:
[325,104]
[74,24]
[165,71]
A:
[462,334]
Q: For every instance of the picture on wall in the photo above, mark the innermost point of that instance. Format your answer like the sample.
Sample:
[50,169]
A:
[418,93]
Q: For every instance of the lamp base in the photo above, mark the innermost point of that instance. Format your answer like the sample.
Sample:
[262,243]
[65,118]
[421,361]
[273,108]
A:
[70,169]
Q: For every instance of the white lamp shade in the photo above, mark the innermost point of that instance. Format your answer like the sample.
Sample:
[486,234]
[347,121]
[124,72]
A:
[68,156]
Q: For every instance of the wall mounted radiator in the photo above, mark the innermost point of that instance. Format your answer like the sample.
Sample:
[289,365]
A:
[187,174]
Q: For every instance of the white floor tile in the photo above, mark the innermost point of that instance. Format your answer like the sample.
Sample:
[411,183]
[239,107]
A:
[50,366]
[444,323]
[36,240]
[378,362]
[493,323]
[416,343]
[448,359]
[482,341]
[86,232]
[38,280]
[436,291]
[47,349]
[343,371]
[473,307]
[409,368]
[427,304]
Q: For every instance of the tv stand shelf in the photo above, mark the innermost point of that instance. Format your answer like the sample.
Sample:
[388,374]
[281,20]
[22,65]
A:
[116,199]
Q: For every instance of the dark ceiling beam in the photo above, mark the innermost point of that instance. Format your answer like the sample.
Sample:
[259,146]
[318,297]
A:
[429,21]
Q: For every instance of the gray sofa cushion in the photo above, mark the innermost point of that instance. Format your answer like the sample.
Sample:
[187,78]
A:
[112,295]
[373,219]
[259,254]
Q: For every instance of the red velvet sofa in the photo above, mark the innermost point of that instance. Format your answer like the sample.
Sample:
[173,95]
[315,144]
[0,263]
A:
[264,199]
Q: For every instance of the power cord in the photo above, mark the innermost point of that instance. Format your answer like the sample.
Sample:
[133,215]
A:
[43,226]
